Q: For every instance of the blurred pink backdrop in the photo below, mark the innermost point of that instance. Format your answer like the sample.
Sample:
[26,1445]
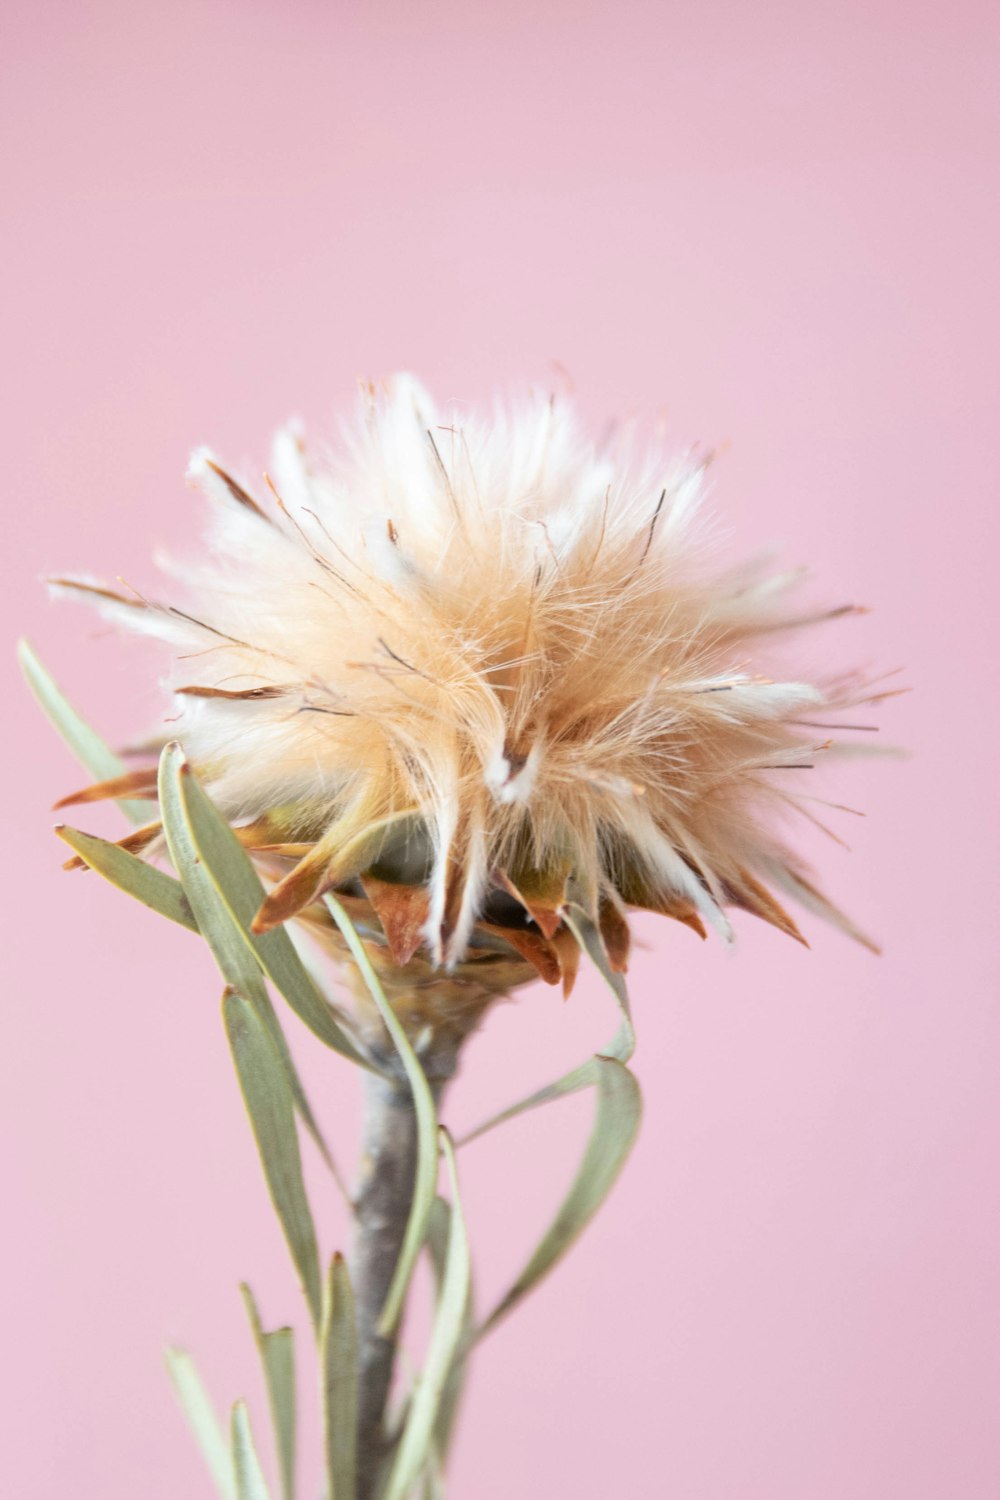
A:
[779,223]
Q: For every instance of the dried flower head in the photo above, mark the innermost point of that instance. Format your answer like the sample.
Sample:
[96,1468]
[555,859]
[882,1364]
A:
[464,671]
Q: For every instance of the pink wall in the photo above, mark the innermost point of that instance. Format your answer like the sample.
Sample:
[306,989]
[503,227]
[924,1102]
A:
[779,223]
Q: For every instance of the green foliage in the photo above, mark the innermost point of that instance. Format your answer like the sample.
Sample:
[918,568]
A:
[277,1356]
[621,1045]
[201,1418]
[268,1098]
[250,1481]
[230,944]
[616,1121]
[438,1233]
[338,1352]
[217,893]
[85,743]
[240,890]
[154,888]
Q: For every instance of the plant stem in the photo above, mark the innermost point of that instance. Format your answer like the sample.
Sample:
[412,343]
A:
[388,1164]
[382,1207]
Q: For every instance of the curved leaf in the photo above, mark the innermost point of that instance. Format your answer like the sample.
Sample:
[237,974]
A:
[201,1418]
[250,1481]
[621,1046]
[268,1099]
[85,743]
[339,1364]
[234,956]
[277,1356]
[154,888]
[616,1122]
[438,1232]
[240,888]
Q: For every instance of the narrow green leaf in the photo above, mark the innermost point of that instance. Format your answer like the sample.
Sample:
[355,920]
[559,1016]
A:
[621,1046]
[240,888]
[268,1099]
[202,1420]
[277,1356]
[234,956]
[235,959]
[432,1488]
[339,1365]
[250,1481]
[438,1231]
[415,1445]
[154,888]
[85,743]
[616,1122]
[425,1180]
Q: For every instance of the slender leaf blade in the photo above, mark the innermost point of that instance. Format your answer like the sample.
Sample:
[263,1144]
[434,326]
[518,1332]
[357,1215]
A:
[156,889]
[235,958]
[432,1486]
[339,1365]
[616,1122]
[425,1179]
[241,890]
[621,1046]
[85,743]
[268,1098]
[250,1481]
[277,1356]
[202,1420]
[438,1231]
[415,1445]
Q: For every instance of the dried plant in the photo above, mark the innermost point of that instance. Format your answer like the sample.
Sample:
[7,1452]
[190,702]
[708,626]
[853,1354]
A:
[454,698]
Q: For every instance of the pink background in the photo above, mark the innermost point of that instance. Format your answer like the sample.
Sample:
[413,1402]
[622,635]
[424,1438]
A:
[779,223]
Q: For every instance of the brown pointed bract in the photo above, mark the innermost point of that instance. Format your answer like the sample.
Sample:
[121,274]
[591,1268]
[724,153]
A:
[538,951]
[568,956]
[353,844]
[615,935]
[542,893]
[132,784]
[402,910]
[748,894]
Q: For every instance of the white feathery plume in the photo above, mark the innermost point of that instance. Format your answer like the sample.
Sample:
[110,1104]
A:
[519,643]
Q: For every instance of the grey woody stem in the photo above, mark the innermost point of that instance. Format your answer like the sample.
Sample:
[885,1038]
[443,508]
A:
[382,1207]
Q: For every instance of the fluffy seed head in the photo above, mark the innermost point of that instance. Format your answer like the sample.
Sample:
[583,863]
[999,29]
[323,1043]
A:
[466,669]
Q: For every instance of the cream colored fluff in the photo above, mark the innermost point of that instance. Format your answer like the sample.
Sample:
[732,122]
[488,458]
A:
[484,618]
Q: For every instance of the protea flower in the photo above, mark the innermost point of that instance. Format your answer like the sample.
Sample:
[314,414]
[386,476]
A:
[479,678]
[465,671]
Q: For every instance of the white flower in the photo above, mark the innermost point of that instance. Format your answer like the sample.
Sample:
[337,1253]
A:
[468,668]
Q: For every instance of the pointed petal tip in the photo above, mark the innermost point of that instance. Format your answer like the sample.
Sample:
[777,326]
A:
[198,460]
[402,911]
[541,894]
